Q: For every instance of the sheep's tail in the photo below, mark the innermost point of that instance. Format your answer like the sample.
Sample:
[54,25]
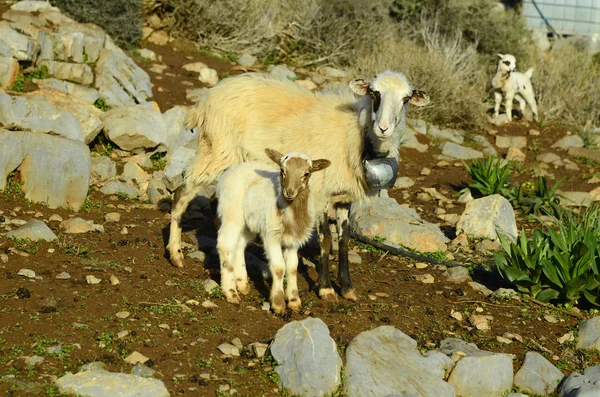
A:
[195,116]
[529,72]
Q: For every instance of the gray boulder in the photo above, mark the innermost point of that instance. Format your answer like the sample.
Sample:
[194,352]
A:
[33,6]
[33,230]
[309,363]
[116,187]
[456,151]
[537,375]
[511,141]
[85,94]
[22,48]
[5,49]
[157,191]
[409,140]
[385,361]
[78,42]
[176,133]
[54,170]
[482,373]
[399,225]
[449,346]
[38,114]
[177,164]
[134,127]
[101,383]
[446,134]
[120,81]
[578,385]
[75,72]
[247,60]
[282,72]
[568,142]
[486,216]
[589,334]
[9,70]
[103,168]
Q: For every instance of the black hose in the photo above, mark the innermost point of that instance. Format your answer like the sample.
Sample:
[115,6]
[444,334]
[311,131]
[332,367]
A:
[545,20]
[400,251]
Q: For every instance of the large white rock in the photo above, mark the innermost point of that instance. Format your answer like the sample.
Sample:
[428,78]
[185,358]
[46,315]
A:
[9,69]
[36,113]
[308,361]
[486,216]
[456,151]
[176,133]
[79,42]
[33,230]
[33,6]
[589,334]
[537,375]
[21,46]
[83,93]
[75,72]
[385,362]
[54,170]
[134,127]
[482,374]
[578,385]
[120,81]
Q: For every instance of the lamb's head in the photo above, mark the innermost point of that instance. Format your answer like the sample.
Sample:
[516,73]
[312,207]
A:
[296,169]
[507,63]
[390,93]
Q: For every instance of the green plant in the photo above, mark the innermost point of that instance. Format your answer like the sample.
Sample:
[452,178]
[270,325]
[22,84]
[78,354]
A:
[13,187]
[536,198]
[158,160]
[89,204]
[489,176]
[19,84]
[101,104]
[39,73]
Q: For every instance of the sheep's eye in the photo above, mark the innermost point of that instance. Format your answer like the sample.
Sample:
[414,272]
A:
[506,63]
[406,99]
[306,174]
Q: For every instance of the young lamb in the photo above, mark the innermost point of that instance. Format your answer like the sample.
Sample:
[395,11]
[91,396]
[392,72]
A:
[255,200]
[512,84]
[242,115]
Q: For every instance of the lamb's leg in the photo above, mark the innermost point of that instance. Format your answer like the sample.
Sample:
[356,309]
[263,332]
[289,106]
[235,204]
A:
[530,98]
[291,271]
[522,103]
[239,266]
[277,266]
[183,197]
[227,245]
[498,98]
[326,291]
[508,105]
[343,219]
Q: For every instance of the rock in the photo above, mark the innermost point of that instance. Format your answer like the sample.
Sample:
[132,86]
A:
[195,94]
[458,274]
[22,48]
[399,225]
[505,293]
[78,225]
[77,73]
[157,191]
[83,93]
[86,114]
[515,154]
[482,374]
[114,280]
[133,173]
[247,60]
[466,197]
[63,276]
[147,54]
[38,114]
[100,383]
[123,315]
[175,133]
[33,6]
[483,217]
[210,285]
[589,334]
[386,362]
[537,375]
[259,349]
[579,152]
[506,142]
[409,140]
[281,71]
[92,280]
[578,385]
[112,217]
[103,168]
[425,171]
[480,322]
[480,288]
[33,230]
[9,70]
[575,199]
[568,337]
[499,120]
[487,148]
[547,157]
[488,245]
[80,43]
[120,81]
[425,278]
[116,187]
[176,167]
[567,142]
[54,170]
[456,151]
[446,134]
[134,127]
[27,273]
[307,357]
[136,358]
[334,73]
[209,76]
[403,182]
[227,348]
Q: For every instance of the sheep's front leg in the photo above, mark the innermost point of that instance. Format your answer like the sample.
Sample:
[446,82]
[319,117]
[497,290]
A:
[342,214]
[326,291]
[227,245]
[277,266]
[183,196]
[498,98]
[530,98]
[508,105]
[291,271]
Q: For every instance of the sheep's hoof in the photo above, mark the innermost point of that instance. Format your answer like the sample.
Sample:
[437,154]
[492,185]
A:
[328,294]
[176,258]
[278,303]
[295,304]
[243,288]
[351,295]
[233,297]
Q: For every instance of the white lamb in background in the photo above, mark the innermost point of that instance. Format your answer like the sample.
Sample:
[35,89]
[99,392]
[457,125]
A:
[257,199]
[511,84]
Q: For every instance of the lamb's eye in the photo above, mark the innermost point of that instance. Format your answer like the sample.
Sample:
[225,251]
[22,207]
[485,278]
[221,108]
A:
[306,174]
[506,63]
[406,99]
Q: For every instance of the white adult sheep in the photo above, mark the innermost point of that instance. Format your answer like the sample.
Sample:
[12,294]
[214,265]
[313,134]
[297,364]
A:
[277,204]
[513,85]
[242,115]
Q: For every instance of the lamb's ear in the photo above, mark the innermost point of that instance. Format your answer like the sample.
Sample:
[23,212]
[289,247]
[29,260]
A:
[319,165]
[500,55]
[359,86]
[419,98]
[274,155]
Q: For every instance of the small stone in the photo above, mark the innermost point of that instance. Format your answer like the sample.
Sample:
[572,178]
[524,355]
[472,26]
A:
[354,258]
[458,274]
[49,305]
[210,285]
[480,322]
[26,273]
[142,370]
[135,358]
[51,250]
[164,326]
[114,280]
[534,132]
[510,336]
[425,171]
[4,258]
[259,349]
[209,77]
[23,293]
[247,60]
[112,217]
[92,280]
[266,306]
[465,198]
[403,182]
[425,278]
[227,348]
[550,318]
[223,388]
[123,314]
[209,304]
[237,342]
[457,316]
[199,255]
[124,230]
[568,337]
[421,265]
[488,246]
[63,276]
[122,334]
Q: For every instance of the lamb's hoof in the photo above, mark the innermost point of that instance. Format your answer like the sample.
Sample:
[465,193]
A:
[328,294]
[233,297]
[278,303]
[243,288]
[295,304]
[350,295]
[176,258]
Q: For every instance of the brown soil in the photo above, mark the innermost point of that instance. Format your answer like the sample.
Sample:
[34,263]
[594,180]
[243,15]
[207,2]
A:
[181,342]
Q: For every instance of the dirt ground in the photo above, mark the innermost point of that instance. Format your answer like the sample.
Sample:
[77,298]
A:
[181,339]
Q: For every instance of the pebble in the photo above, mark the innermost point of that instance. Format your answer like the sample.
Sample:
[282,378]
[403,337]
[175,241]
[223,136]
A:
[209,285]
[568,337]
[164,326]
[504,340]
[425,278]
[92,280]
[51,250]
[63,276]
[26,273]
[114,280]
[143,371]
[227,348]
[135,358]
[550,318]
[457,316]
[122,334]
[425,171]
[421,265]
[112,217]
[55,218]
[124,230]
[266,306]
[237,342]
[480,322]
[259,349]
[123,314]
[4,258]
[208,304]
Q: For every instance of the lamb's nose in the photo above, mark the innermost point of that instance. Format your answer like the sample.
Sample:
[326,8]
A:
[383,128]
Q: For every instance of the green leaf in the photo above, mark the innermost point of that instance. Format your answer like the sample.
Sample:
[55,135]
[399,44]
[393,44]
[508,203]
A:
[547,295]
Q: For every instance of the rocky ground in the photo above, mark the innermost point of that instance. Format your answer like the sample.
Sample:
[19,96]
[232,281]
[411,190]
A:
[104,291]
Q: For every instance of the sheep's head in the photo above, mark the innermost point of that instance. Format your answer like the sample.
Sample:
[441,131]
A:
[507,63]
[390,93]
[296,169]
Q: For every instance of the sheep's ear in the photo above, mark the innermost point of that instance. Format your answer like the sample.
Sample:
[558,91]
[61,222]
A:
[319,165]
[274,155]
[359,86]
[500,55]
[419,98]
